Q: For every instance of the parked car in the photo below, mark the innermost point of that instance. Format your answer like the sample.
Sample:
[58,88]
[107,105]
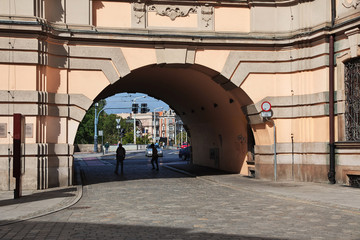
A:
[184,145]
[148,152]
[185,153]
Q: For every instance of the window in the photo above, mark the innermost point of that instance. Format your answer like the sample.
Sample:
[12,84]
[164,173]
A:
[352,103]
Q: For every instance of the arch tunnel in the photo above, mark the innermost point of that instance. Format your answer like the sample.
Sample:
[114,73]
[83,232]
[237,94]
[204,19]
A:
[211,113]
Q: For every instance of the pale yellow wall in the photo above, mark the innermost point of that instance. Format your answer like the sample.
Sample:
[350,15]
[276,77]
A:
[77,12]
[16,77]
[9,125]
[213,59]
[311,129]
[139,57]
[155,20]
[263,134]
[89,83]
[9,128]
[258,86]
[232,19]
[54,11]
[56,80]
[111,14]
[311,82]
[31,120]
[17,7]
[55,130]
[72,130]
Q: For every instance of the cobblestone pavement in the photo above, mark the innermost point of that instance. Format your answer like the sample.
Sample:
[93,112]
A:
[145,204]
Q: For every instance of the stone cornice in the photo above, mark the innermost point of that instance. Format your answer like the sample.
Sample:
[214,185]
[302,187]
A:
[79,33]
[244,3]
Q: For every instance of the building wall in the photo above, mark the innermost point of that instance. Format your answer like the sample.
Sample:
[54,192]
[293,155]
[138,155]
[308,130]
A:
[56,57]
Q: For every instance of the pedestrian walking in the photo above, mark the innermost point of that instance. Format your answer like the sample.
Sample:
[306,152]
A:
[120,156]
[154,157]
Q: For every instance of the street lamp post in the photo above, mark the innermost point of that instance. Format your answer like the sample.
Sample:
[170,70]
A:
[154,131]
[134,117]
[97,114]
[95,129]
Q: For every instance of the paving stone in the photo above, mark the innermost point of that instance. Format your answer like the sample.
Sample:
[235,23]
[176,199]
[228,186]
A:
[144,204]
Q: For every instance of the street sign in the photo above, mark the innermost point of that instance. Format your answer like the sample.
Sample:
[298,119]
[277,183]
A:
[266,114]
[118,120]
[266,106]
[118,126]
[101,133]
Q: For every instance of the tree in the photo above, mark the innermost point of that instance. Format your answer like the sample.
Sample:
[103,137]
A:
[85,132]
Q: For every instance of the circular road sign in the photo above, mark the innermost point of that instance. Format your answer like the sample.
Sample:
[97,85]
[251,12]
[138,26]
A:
[266,106]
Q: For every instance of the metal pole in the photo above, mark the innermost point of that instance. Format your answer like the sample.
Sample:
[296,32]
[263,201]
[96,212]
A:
[175,134]
[181,141]
[154,129]
[95,129]
[292,157]
[134,100]
[275,160]
[134,128]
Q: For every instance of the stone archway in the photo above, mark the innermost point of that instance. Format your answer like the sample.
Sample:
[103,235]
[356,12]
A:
[212,114]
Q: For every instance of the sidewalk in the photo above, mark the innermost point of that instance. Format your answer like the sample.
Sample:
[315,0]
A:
[324,194]
[36,203]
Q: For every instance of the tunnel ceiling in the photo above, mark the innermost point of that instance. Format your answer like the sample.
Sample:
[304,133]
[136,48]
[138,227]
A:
[191,92]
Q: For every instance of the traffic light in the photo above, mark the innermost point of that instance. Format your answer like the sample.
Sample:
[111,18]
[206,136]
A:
[144,108]
[135,108]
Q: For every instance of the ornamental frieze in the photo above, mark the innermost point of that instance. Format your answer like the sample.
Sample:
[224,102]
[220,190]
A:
[352,3]
[173,11]
[139,11]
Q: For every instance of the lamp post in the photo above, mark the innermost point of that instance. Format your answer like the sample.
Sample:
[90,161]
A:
[95,129]
[97,114]
[154,131]
[134,117]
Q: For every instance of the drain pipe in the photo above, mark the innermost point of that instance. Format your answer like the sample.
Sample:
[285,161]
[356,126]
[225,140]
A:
[331,174]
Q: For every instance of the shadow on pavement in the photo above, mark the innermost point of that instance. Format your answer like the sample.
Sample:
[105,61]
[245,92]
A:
[43,195]
[136,170]
[78,230]
[197,170]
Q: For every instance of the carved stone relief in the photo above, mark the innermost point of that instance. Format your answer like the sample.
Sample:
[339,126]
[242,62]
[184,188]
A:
[207,18]
[173,11]
[352,3]
[139,11]
[138,15]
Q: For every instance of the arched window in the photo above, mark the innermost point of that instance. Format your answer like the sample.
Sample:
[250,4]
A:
[352,104]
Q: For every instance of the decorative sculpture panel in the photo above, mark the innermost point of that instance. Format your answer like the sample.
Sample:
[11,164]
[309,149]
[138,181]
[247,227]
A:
[173,11]
[352,3]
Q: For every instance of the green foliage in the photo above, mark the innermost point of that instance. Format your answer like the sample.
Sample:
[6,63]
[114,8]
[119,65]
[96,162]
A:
[85,132]
[106,122]
[183,138]
[143,139]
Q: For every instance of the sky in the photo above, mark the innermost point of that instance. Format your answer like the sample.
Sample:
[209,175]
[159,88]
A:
[124,101]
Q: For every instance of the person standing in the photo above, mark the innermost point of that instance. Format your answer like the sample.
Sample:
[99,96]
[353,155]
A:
[154,157]
[120,156]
